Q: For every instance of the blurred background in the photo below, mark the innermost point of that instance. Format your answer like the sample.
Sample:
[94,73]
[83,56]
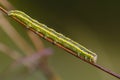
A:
[94,24]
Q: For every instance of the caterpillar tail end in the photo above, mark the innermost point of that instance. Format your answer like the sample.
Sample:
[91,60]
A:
[95,59]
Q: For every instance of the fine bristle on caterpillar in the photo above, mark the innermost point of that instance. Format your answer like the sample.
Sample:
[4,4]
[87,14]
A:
[55,36]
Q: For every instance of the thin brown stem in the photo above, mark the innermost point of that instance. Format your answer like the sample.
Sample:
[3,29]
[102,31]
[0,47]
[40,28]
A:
[2,9]
[68,50]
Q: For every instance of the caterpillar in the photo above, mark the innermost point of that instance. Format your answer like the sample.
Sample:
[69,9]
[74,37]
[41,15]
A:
[55,36]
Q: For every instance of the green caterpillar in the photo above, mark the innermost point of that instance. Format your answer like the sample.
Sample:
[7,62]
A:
[55,36]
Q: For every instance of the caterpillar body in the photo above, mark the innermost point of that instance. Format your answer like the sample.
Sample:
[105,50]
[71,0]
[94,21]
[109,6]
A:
[55,36]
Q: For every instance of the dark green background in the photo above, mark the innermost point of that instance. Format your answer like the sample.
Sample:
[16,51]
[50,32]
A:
[93,23]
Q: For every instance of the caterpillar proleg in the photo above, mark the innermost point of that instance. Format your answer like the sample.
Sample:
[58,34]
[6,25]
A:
[55,36]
